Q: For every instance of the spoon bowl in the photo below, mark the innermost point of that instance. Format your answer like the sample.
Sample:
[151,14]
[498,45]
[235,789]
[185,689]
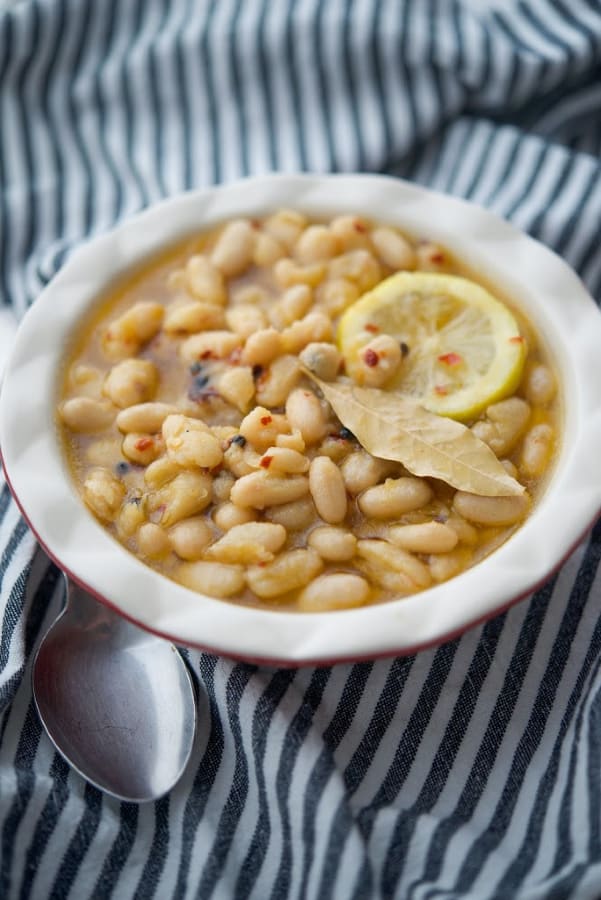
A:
[117,702]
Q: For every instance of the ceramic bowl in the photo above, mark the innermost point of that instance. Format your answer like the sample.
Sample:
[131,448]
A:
[543,286]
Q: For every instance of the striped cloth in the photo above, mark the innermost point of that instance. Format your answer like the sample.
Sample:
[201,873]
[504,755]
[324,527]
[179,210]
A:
[468,771]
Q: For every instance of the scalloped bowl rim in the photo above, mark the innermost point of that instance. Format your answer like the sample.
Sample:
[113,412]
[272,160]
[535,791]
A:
[550,293]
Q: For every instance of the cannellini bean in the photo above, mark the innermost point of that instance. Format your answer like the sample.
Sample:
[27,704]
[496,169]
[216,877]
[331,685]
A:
[294,516]
[491,510]
[160,472]
[393,249]
[267,250]
[426,537]
[465,532]
[185,495]
[139,324]
[249,295]
[84,415]
[287,272]
[394,498]
[336,294]
[260,489]
[313,328]
[105,452]
[190,537]
[285,225]
[341,590]
[446,565]
[240,460]
[144,417]
[234,249]
[430,257]
[261,427]
[283,459]
[103,493]
[381,555]
[237,386]
[222,486]
[212,578]
[505,423]
[293,305]
[316,244]
[153,541]
[327,489]
[227,515]
[509,467]
[539,385]
[305,412]
[131,382]
[358,266]
[246,319]
[250,542]
[141,449]
[262,347]
[190,443]
[333,544]
[280,379]
[352,233]
[322,359]
[378,361]
[209,345]
[536,450]
[360,471]
[292,441]
[287,572]
[190,318]
[205,281]
[131,516]
[336,447]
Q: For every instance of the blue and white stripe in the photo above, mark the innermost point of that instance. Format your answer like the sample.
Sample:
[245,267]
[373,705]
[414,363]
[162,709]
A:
[470,770]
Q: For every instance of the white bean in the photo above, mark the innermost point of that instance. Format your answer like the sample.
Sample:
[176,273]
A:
[287,272]
[205,281]
[359,266]
[294,516]
[189,318]
[267,250]
[209,345]
[190,537]
[536,451]
[378,361]
[84,415]
[333,544]
[131,382]
[237,386]
[262,347]
[250,542]
[304,412]
[234,249]
[185,495]
[280,379]
[144,417]
[190,443]
[212,578]
[285,226]
[336,294]
[261,428]
[227,515]
[323,359]
[360,471]
[494,511]
[425,537]
[394,498]
[141,449]
[289,571]
[352,232]
[446,565]
[103,493]
[382,556]
[260,489]
[393,249]
[341,590]
[316,244]
[315,327]
[245,319]
[139,324]
[327,489]
[153,541]
[284,460]
[540,385]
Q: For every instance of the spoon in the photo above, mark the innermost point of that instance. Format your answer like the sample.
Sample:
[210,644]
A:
[116,701]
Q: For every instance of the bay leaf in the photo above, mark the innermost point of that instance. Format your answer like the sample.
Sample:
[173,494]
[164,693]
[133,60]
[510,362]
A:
[396,427]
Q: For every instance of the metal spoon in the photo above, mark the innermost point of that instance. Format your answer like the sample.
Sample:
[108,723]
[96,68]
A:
[117,702]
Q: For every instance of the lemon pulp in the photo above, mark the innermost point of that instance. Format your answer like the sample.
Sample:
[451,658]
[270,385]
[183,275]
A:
[462,347]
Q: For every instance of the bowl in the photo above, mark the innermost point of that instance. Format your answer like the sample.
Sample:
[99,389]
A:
[541,284]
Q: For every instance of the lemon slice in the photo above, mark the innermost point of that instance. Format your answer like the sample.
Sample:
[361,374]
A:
[462,347]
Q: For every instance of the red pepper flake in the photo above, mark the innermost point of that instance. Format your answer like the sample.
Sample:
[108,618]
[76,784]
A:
[371,358]
[266,420]
[450,359]
[266,462]
[441,389]
[517,339]
[372,328]
[143,443]
[208,354]
[359,226]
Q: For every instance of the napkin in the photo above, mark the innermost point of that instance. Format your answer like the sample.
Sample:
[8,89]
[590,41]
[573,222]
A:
[472,770]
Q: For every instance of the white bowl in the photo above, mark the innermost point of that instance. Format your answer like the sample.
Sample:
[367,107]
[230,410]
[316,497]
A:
[548,291]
